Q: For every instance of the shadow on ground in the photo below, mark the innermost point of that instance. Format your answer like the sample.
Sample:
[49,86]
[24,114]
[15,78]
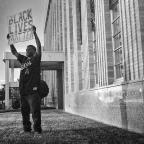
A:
[63,128]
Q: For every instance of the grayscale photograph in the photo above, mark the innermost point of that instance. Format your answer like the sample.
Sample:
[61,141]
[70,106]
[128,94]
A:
[71,71]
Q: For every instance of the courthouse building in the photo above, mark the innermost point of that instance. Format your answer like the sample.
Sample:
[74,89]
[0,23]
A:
[103,43]
[93,59]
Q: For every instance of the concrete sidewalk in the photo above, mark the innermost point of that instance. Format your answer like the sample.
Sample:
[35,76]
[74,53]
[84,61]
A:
[63,128]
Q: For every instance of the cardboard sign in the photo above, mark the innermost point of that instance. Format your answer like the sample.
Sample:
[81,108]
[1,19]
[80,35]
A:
[19,26]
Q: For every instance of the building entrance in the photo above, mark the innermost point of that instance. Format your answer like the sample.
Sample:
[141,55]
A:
[54,79]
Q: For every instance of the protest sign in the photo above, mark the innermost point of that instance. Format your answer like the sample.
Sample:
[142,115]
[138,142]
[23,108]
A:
[19,26]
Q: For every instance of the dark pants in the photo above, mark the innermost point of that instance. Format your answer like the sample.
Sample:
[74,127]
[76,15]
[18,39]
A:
[31,103]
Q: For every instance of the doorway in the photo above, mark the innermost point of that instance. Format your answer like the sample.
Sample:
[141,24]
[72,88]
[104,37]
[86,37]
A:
[54,79]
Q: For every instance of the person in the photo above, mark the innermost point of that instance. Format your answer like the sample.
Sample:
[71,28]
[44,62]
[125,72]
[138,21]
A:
[29,83]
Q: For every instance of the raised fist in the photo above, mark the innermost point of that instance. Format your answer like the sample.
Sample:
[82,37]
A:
[8,36]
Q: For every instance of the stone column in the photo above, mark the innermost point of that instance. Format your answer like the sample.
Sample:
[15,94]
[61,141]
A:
[12,74]
[6,84]
[76,74]
[68,47]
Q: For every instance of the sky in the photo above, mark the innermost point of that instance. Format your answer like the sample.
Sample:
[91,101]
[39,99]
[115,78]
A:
[9,8]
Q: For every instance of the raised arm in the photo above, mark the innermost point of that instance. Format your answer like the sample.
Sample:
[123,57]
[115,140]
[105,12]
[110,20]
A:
[12,47]
[13,50]
[38,43]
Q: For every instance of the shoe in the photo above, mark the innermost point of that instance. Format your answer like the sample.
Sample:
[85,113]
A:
[25,132]
[37,134]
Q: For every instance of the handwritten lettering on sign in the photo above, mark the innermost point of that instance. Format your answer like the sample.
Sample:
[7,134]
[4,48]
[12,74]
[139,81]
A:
[19,26]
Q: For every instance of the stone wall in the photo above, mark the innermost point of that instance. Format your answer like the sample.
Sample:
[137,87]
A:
[118,105]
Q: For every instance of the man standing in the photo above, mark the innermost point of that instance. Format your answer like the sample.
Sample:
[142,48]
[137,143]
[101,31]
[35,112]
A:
[29,84]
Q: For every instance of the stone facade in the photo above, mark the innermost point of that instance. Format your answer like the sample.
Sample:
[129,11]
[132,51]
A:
[103,68]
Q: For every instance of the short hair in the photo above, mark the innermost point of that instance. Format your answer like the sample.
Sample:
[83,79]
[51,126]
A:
[31,46]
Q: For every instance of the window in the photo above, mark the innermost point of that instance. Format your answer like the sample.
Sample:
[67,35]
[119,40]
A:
[80,24]
[116,26]
[115,8]
[92,8]
[117,40]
